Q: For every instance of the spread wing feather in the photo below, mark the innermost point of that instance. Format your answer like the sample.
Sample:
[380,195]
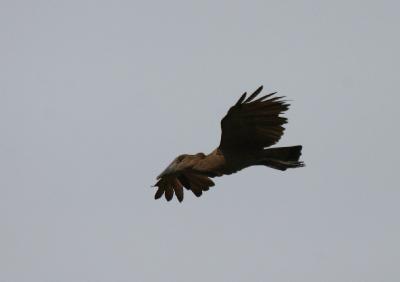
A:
[253,124]
[170,185]
[159,193]
[178,189]
[169,193]
[196,182]
[167,186]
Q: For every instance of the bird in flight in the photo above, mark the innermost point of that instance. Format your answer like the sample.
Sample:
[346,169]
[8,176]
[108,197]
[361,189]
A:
[249,127]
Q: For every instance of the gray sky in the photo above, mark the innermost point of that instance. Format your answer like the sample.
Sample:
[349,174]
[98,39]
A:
[97,97]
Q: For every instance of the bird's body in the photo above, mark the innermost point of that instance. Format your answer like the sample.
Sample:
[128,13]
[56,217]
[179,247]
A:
[247,129]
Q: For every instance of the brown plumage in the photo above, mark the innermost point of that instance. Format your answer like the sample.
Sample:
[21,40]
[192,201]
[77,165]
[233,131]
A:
[248,128]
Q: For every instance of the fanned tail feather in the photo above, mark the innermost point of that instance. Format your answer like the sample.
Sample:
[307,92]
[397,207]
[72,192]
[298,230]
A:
[282,158]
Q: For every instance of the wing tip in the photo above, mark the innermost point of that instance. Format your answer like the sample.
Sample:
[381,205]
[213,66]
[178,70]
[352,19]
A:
[241,99]
[254,94]
[244,99]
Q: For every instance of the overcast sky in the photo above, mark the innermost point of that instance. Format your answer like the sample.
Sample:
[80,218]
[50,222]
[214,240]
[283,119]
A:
[97,97]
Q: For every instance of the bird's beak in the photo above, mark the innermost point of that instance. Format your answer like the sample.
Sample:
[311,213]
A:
[170,169]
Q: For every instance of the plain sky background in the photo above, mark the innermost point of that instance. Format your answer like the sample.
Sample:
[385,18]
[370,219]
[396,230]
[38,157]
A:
[97,97]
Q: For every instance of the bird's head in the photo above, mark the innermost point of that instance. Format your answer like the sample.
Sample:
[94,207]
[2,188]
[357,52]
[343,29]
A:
[178,164]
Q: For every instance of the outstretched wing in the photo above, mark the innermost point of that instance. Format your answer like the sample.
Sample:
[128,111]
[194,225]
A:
[173,184]
[253,124]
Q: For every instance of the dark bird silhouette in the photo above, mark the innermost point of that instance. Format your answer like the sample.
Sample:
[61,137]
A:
[248,128]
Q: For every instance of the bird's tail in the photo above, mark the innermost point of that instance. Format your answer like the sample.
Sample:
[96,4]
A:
[282,158]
